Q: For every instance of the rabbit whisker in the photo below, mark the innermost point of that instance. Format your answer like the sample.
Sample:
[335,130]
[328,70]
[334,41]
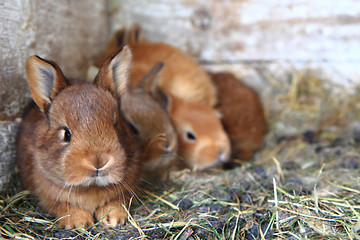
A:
[121,194]
[67,202]
[58,196]
[117,191]
[148,183]
[133,159]
[131,191]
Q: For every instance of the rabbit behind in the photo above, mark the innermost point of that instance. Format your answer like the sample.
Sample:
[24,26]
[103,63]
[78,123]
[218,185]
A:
[74,150]
[144,107]
[181,75]
[242,115]
[203,142]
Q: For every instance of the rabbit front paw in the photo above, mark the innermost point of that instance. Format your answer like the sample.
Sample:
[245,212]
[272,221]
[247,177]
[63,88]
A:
[112,214]
[76,218]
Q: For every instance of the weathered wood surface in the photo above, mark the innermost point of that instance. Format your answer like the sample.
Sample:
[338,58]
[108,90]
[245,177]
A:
[253,35]
[70,32]
[8,131]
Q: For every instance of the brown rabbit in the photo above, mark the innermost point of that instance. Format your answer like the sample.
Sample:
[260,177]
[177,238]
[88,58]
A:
[75,151]
[243,117]
[150,121]
[202,139]
[181,75]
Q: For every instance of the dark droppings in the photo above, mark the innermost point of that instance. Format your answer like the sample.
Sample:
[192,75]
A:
[254,232]
[318,149]
[290,165]
[64,235]
[262,215]
[309,137]
[350,162]
[260,173]
[214,208]
[157,233]
[184,203]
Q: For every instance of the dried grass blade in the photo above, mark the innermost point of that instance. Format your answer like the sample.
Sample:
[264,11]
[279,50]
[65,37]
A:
[162,200]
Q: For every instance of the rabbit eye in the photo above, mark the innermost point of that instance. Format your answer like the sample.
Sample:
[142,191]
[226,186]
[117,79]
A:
[67,134]
[190,136]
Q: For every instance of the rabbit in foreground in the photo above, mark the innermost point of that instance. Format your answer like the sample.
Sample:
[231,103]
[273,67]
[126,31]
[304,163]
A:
[242,115]
[74,150]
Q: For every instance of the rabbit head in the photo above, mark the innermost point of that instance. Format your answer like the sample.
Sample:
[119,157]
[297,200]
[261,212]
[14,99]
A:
[203,142]
[144,107]
[81,137]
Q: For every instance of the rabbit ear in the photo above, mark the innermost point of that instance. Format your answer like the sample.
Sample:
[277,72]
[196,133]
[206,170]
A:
[113,74]
[163,99]
[150,81]
[45,80]
[150,84]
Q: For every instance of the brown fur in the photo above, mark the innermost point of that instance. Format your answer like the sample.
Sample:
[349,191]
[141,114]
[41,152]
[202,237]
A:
[243,117]
[181,76]
[157,136]
[141,108]
[211,145]
[62,173]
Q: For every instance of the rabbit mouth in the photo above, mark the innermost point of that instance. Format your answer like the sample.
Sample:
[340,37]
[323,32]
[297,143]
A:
[99,180]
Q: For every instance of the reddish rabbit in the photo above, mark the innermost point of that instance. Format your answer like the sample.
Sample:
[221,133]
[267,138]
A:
[202,139]
[181,75]
[75,151]
[243,117]
[149,120]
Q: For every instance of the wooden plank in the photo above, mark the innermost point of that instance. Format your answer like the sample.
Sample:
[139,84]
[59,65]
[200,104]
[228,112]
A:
[250,29]
[72,33]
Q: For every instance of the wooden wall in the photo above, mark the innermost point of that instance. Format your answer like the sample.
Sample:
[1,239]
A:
[255,37]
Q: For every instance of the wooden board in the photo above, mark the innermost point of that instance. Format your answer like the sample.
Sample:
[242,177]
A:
[72,33]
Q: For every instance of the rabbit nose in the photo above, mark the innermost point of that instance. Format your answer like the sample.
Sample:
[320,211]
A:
[98,173]
[99,166]
[222,157]
[171,145]
[101,161]
[167,148]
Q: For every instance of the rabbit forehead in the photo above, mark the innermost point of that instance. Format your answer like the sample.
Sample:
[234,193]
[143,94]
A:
[83,105]
[198,118]
[144,112]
